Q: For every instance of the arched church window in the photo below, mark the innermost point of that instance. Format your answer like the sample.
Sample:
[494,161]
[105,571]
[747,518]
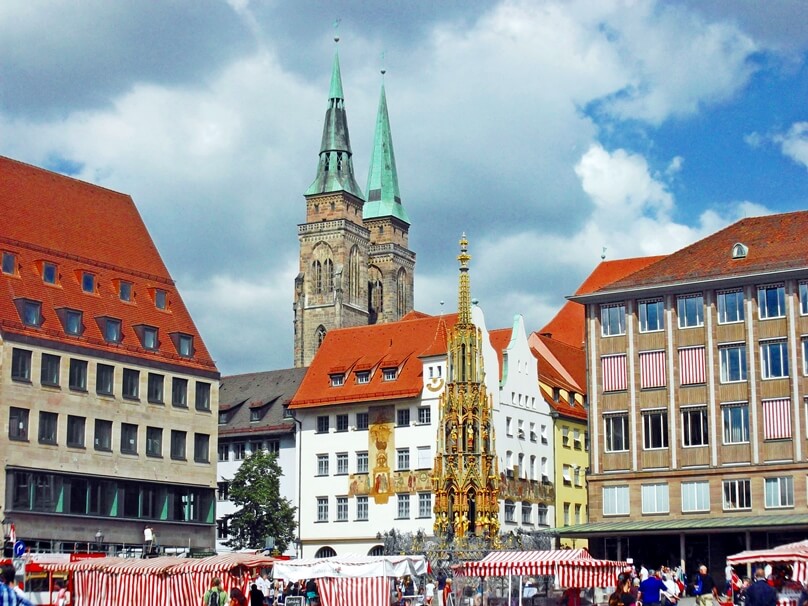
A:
[401,292]
[325,552]
[328,271]
[319,335]
[317,276]
[353,274]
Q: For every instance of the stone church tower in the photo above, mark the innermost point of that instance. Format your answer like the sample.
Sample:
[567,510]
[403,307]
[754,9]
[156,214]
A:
[355,267]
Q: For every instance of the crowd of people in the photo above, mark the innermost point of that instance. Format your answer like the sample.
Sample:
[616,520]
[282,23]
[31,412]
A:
[263,591]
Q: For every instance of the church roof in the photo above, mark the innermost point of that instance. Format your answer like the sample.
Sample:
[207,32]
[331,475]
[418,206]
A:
[53,220]
[384,199]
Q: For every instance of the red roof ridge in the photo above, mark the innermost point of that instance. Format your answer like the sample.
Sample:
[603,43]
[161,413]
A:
[74,180]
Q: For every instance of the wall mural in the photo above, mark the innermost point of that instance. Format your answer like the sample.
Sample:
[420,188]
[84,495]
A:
[381,450]
[403,482]
[518,489]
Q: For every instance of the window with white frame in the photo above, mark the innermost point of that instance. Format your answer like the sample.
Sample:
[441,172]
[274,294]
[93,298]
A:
[805,355]
[614,372]
[579,514]
[362,461]
[389,374]
[337,380]
[733,362]
[695,496]
[532,470]
[565,436]
[361,508]
[615,500]
[424,457]
[424,504]
[533,436]
[542,515]
[342,464]
[616,434]
[694,426]
[777,419]
[322,509]
[655,429]
[342,422]
[322,464]
[566,514]
[402,459]
[342,509]
[403,417]
[804,298]
[771,301]
[690,311]
[361,421]
[510,512]
[239,451]
[544,434]
[737,494]
[576,476]
[545,470]
[322,424]
[527,512]
[735,417]
[774,359]
[403,511]
[520,429]
[779,492]
[652,315]
[652,369]
[730,306]
[509,463]
[566,475]
[613,320]
[508,426]
[655,498]
[424,415]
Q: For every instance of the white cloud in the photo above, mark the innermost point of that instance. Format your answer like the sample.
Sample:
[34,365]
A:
[794,143]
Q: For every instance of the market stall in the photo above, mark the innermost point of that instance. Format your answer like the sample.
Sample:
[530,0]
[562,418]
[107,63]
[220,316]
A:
[352,580]
[790,568]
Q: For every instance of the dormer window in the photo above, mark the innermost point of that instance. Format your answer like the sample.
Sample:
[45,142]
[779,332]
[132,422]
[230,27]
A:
[88,282]
[389,374]
[739,251]
[223,414]
[72,320]
[256,414]
[49,273]
[159,298]
[149,337]
[337,380]
[556,394]
[185,345]
[125,290]
[31,313]
[112,330]
[363,377]
[9,263]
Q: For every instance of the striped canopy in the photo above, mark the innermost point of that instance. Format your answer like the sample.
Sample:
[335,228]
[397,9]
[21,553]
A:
[570,567]
[795,554]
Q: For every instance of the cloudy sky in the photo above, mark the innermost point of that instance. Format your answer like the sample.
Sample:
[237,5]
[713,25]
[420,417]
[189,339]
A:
[546,130]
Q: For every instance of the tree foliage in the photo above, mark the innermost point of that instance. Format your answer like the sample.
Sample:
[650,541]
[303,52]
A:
[263,512]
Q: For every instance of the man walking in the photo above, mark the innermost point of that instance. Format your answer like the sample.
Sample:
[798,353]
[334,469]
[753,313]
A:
[760,593]
[705,588]
[651,589]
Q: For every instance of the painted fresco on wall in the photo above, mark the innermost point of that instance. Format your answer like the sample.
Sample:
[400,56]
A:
[518,489]
[403,482]
[381,450]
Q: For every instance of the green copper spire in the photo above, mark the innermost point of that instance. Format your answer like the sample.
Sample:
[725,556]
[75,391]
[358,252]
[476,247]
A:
[335,168]
[384,199]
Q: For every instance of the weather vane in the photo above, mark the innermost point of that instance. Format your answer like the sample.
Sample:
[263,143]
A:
[337,21]
[384,69]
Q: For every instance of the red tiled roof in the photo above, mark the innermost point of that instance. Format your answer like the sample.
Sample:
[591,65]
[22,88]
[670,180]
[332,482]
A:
[572,359]
[775,242]
[562,407]
[568,324]
[81,227]
[378,345]
[500,338]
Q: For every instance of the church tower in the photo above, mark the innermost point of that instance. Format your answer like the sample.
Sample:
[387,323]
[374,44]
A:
[331,290]
[391,262]
[465,475]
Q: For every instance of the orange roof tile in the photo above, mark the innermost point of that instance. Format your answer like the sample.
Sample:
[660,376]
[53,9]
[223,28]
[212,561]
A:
[500,338]
[775,242]
[563,407]
[377,346]
[572,359]
[81,227]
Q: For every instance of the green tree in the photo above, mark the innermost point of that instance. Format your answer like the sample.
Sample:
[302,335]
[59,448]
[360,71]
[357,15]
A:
[263,512]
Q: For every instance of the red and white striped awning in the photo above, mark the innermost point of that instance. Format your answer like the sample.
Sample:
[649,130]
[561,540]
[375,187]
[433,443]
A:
[795,554]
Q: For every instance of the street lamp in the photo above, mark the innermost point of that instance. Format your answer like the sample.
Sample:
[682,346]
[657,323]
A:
[7,524]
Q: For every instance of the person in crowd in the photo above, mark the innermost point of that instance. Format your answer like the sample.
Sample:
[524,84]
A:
[447,592]
[760,593]
[623,595]
[237,597]
[256,595]
[670,595]
[429,591]
[570,597]
[441,585]
[215,595]
[10,594]
[311,591]
[651,589]
[704,588]
[262,583]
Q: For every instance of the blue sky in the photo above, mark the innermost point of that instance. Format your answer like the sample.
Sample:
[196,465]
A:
[545,130]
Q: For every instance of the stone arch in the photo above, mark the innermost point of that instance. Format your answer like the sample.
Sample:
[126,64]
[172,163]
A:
[322,269]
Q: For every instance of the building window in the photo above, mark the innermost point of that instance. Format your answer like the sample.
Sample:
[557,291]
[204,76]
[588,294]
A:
[389,374]
[342,509]
[256,446]
[103,435]
[577,442]
[322,509]
[691,366]
[403,417]
[737,494]
[542,515]
[779,492]
[565,475]
[615,500]
[771,301]
[805,356]
[655,429]
[224,452]
[694,427]
[159,298]
[576,472]
[730,307]
[154,441]
[361,508]
[402,459]
[362,461]
[18,423]
[544,434]
[533,436]
[566,514]
[342,422]
[322,424]
[124,290]
[695,496]
[179,392]
[128,438]
[652,369]
[239,451]
[527,513]
[131,384]
[112,330]
[9,263]
[361,421]
[616,432]
[77,381]
[273,446]
[73,322]
[337,380]
[104,379]
[203,396]
[424,415]
[690,310]
[49,273]
[32,313]
[774,359]
[48,427]
[201,448]
[804,298]
[545,471]
[178,445]
[342,463]
[736,423]
[150,338]
[652,316]
[777,419]
[613,320]
[424,457]
[222,491]
[520,429]
[363,377]
[256,414]
[510,512]
[21,365]
[565,436]
[185,345]
[655,498]
[733,363]
[614,372]
[322,464]
[75,431]
[508,426]
[155,388]
[87,282]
